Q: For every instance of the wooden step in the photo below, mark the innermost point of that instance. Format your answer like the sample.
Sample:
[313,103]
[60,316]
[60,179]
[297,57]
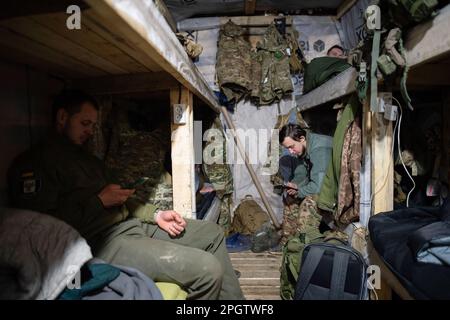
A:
[261,290]
[260,274]
[259,281]
[263,297]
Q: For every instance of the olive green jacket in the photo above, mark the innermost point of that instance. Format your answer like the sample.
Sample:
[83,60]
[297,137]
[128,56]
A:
[318,151]
[61,179]
[328,197]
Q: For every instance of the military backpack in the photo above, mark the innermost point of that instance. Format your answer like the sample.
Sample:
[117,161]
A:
[312,268]
[405,13]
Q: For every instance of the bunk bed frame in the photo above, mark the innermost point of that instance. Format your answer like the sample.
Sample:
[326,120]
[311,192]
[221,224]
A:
[122,47]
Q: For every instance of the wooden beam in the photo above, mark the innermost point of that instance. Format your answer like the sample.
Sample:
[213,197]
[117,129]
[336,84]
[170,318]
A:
[183,180]
[143,25]
[431,74]
[388,277]
[18,8]
[382,164]
[382,175]
[214,23]
[344,7]
[337,87]
[250,7]
[129,83]
[430,40]
[167,15]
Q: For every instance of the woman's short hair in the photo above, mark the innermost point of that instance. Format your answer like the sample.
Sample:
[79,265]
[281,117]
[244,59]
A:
[293,131]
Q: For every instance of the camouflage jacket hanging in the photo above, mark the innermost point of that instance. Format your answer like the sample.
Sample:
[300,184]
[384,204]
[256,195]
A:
[233,62]
[216,167]
[349,191]
[275,70]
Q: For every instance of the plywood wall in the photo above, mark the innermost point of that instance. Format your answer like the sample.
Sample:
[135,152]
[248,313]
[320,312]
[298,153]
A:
[25,112]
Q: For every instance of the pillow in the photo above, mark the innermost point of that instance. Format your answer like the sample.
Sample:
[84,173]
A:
[39,255]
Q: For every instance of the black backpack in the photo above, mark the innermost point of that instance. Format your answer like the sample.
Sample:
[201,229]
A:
[331,271]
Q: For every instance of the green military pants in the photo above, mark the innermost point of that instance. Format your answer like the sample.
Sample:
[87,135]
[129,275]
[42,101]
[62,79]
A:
[197,260]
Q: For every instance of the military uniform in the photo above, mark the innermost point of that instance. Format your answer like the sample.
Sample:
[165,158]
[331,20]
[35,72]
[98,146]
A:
[275,73]
[303,216]
[220,176]
[233,62]
[62,179]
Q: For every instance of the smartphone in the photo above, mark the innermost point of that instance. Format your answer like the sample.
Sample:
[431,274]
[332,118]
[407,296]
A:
[140,181]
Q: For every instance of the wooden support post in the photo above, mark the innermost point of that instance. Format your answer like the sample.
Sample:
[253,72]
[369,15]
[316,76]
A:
[183,155]
[382,176]
[250,7]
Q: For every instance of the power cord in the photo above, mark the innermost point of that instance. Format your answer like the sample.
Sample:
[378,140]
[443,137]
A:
[400,152]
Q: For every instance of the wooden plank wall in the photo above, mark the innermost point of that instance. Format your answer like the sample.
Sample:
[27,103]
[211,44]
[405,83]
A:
[14,122]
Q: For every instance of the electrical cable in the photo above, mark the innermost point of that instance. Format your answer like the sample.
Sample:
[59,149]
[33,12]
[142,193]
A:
[400,153]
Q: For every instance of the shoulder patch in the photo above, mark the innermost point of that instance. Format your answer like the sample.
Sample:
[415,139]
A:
[30,183]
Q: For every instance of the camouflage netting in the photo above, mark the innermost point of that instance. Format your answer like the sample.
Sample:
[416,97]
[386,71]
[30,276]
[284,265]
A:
[131,154]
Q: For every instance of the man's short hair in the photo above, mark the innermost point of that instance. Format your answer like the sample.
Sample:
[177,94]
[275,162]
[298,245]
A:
[71,101]
[336,47]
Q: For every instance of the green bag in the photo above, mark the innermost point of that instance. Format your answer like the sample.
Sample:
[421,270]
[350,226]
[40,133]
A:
[408,12]
[419,10]
[386,65]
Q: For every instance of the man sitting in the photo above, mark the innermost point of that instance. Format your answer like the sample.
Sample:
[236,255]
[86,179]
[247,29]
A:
[60,178]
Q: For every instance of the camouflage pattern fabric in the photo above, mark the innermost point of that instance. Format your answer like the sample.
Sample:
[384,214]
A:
[219,174]
[301,218]
[256,77]
[295,63]
[224,215]
[275,78]
[192,48]
[399,195]
[248,217]
[139,154]
[134,154]
[349,190]
[233,62]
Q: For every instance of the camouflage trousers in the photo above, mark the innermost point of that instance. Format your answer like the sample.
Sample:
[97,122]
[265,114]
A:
[224,216]
[304,218]
[301,217]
